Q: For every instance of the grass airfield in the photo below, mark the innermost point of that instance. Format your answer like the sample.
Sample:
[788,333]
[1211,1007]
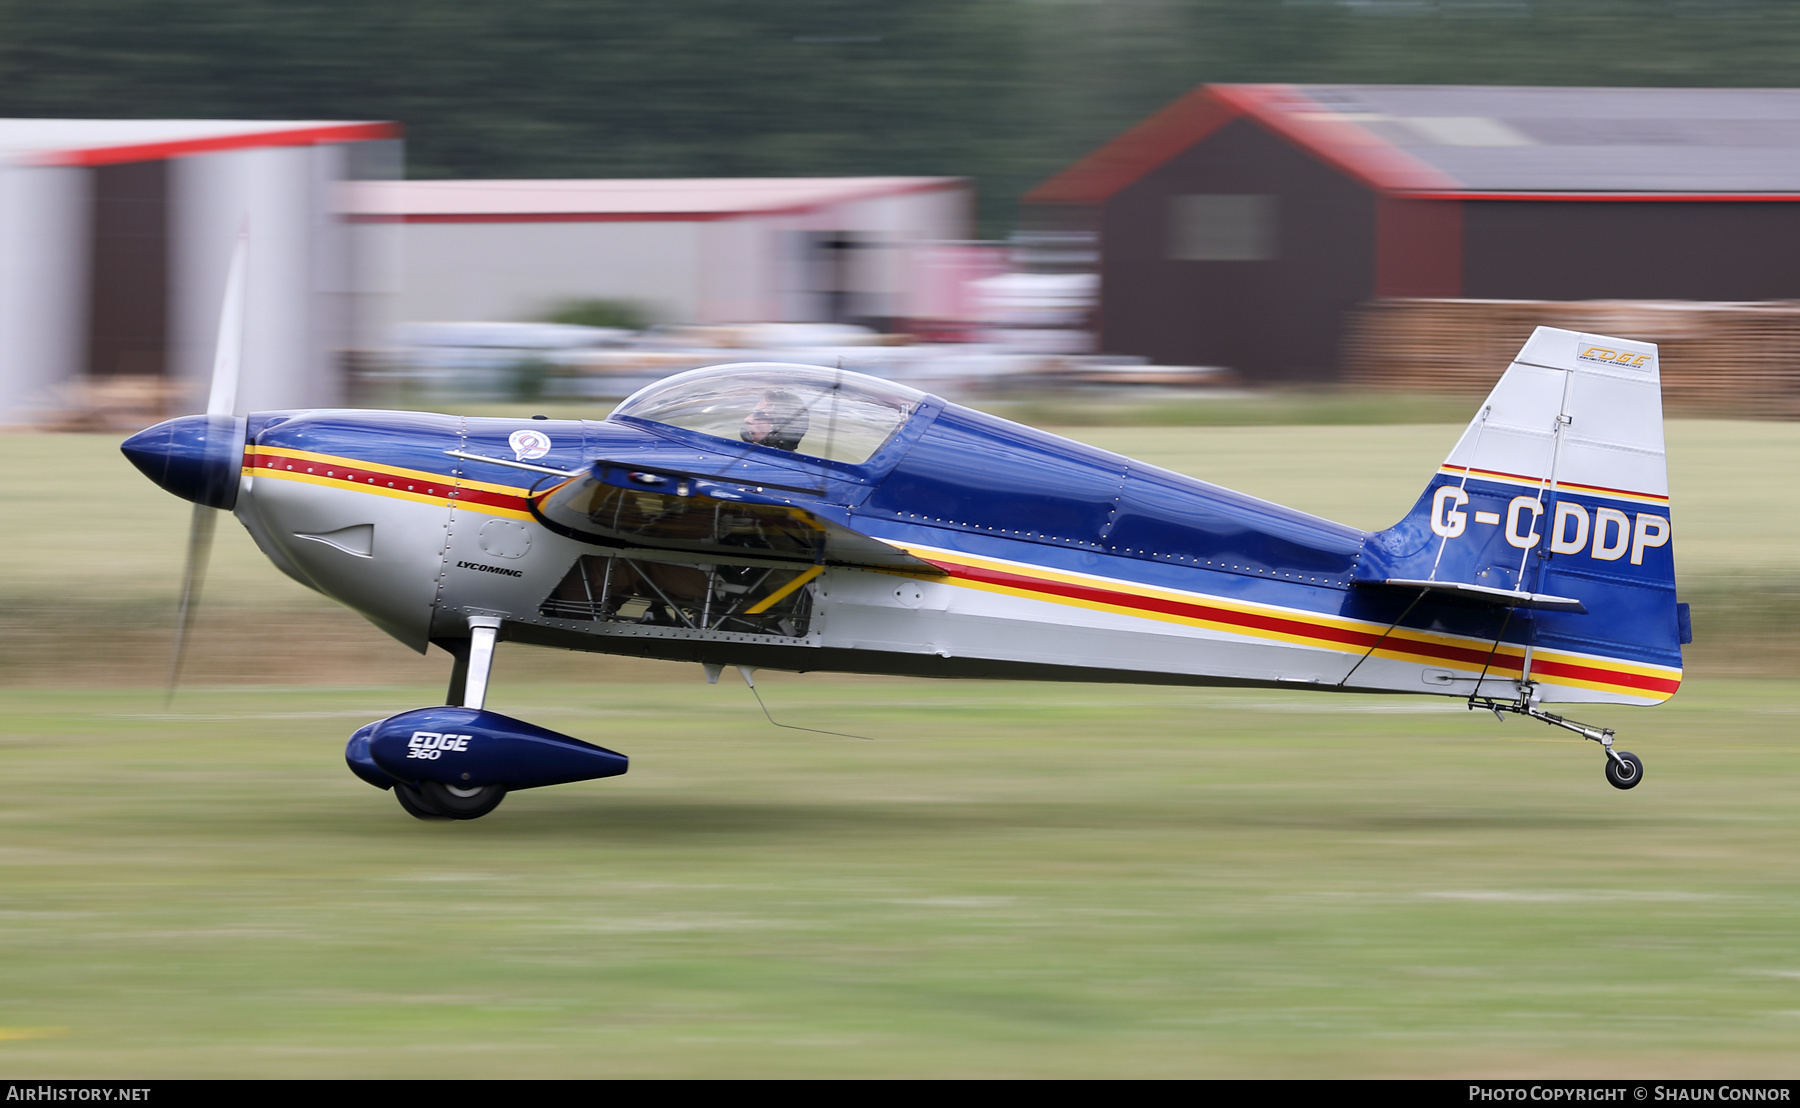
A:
[1011,880]
[1050,880]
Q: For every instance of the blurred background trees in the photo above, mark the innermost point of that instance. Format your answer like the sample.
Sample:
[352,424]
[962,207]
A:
[1004,91]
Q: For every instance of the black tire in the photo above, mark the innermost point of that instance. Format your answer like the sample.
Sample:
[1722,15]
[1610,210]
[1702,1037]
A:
[459,803]
[1624,776]
[415,804]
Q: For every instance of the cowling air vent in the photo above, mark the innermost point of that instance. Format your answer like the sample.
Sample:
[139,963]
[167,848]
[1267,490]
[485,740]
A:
[747,600]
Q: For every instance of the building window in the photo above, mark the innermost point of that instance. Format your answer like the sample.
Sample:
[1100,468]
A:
[1209,227]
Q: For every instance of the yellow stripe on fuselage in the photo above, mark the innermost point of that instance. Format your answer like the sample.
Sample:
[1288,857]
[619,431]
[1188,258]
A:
[417,486]
[1404,645]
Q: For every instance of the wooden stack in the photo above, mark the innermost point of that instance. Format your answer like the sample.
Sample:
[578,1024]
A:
[112,404]
[1718,359]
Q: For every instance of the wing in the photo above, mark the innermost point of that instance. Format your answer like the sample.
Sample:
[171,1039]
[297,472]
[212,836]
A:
[628,506]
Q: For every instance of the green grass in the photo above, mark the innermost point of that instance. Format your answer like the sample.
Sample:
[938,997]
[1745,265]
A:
[1010,880]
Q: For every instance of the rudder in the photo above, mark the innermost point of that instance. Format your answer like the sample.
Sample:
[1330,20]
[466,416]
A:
[1554,505]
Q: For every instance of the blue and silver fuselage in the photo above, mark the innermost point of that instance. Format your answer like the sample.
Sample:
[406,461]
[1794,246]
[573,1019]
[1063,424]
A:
[955,544]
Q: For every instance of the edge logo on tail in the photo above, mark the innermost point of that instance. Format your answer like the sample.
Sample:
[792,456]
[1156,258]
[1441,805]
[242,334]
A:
[1605,356]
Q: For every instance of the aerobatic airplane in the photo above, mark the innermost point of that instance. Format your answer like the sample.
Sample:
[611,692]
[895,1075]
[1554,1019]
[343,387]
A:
[802,518]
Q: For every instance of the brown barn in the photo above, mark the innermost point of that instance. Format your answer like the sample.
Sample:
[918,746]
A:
[1240,225]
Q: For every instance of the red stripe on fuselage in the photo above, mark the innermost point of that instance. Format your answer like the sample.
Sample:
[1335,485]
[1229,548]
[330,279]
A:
[350,473]
[1474,656]
[1598,676]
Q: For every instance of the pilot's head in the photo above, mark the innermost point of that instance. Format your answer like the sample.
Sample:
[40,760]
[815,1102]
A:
[780,420]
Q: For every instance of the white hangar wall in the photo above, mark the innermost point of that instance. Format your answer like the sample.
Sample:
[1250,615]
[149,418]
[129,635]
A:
[308,294]
[884,275]
[515,271]
[297,305]
[45,213]
[721,266]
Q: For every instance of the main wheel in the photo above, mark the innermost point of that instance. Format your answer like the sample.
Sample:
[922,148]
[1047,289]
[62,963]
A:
[415,803]
[1624,771]
[460,803]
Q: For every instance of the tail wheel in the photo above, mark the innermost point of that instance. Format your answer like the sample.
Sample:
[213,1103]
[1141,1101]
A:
[415,804]
[1624,770]
[456,802]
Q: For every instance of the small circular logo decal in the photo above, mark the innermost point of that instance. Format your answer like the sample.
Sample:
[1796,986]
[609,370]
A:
[529,444]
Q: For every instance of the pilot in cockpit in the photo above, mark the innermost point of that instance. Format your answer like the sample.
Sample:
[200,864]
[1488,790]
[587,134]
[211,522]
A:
[780,420]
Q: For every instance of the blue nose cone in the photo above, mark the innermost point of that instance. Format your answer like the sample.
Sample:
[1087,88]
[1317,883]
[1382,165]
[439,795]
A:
[195,457]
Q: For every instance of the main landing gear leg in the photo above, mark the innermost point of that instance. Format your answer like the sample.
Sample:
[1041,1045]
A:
[471,659]
[483,630]
[1623,768]
[468,689]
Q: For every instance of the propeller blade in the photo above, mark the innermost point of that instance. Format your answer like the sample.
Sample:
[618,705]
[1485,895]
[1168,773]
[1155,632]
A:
[199,549]
[228,353]
[221,401]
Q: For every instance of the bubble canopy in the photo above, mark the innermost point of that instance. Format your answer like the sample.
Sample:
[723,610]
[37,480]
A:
[831,414]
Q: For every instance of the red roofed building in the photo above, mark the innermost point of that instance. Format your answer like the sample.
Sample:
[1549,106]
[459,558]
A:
[1240,225]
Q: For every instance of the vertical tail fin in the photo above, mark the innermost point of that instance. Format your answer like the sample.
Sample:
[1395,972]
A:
[1555,505]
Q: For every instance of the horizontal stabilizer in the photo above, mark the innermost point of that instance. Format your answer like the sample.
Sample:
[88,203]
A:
[1483,594]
